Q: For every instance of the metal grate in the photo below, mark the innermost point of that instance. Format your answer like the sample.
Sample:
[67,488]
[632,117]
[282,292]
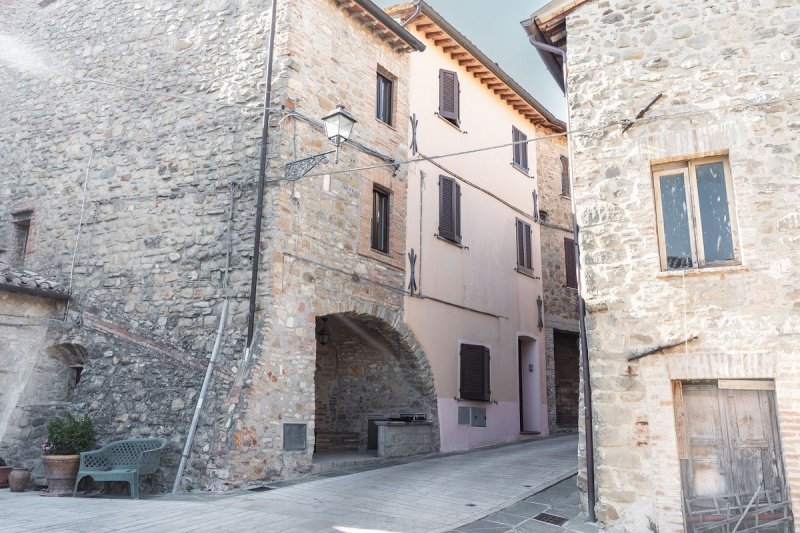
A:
[550,519]
[260,489]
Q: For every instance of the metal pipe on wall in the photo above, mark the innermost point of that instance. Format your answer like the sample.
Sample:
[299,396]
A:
[262,174]
[588,429]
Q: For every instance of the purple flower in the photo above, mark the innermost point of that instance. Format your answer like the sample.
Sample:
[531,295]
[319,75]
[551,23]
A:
[46,446]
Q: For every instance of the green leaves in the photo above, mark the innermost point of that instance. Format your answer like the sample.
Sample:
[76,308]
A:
[68,435]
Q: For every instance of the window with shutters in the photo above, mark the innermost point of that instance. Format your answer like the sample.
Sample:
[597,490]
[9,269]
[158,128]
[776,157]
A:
[380,220]
[384,98]
[474,373]
[566,190]
[520,146]
[524,249]
[449,209]
[694,211]
[569,264]
[449,92]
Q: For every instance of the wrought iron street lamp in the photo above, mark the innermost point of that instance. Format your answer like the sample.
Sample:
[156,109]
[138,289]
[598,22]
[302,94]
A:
[338,128]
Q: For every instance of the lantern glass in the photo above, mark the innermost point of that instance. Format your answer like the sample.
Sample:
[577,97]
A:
[339,125]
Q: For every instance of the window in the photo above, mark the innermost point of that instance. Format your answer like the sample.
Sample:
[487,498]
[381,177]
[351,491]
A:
[449,209]
[449,91]
[565,188]
[569,264]
[694,200]
[22,226]
[524,255]
[474,369]
[380,220]
[520,149]
[383,99]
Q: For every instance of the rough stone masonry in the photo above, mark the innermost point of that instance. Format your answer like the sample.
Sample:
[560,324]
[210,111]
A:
[131,134]
[728,72]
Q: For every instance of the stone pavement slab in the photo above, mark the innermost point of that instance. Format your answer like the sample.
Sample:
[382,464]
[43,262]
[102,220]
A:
[430,494]
[561,500]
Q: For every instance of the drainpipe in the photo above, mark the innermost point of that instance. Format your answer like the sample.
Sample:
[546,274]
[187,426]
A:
[262,172]
[587,386]
[214,353]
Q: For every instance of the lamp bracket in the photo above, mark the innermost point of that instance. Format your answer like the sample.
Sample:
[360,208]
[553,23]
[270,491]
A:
[299,168]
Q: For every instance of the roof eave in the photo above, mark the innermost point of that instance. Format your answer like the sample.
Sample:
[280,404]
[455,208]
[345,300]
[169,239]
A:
[490,65]
[391,24]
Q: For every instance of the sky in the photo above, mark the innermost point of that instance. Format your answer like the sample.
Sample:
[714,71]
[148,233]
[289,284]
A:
[493,26]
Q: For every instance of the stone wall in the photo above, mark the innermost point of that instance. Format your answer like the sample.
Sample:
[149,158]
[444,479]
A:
[727,73]
[360,376]
[400,439]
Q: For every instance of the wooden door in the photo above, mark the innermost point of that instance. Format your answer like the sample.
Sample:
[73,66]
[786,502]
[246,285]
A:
[730,455]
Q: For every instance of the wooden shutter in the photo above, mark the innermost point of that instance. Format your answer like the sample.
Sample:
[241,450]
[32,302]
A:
[569,263]
[565,188]
[474,379]
[449,95]
[520,148]
[528,251]
[524,252]
[449,209]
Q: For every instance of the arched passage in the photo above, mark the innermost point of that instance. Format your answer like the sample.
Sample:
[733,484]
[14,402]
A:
[368,371]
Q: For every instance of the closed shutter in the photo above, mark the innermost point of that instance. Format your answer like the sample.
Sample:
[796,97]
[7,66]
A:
[520,148]
[528,252]
[565,188]
[569,262]
[524,253]
[474,382]
[449,95]
[449,209]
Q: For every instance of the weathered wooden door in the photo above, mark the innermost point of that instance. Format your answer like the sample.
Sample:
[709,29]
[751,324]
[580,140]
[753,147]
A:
[730,454]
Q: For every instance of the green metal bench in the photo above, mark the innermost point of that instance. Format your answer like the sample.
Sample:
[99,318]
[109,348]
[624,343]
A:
[122,460]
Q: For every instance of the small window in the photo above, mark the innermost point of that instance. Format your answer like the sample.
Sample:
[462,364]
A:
[474,378]
[569,264]
[524,252]
[520,141]
[380,220]
[384,99]
[22,226]
[694,202]
[449,92]
[566,190]
[449,209]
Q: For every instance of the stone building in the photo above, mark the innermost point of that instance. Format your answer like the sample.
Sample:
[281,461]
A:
[685,175]
[130,150]
[476,290]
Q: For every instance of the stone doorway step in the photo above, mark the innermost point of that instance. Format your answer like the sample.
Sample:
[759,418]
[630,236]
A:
[326,462]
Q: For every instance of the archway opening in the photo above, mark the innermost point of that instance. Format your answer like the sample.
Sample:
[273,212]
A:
[369,382]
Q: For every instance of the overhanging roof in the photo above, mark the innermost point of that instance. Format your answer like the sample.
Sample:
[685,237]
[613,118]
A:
[548,25]
[442,34]
[28,282]
[381,24]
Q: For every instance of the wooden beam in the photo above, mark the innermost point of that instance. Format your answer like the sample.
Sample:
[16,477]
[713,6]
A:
[456,55]
[468,61]
[423,27]
[448,48]
[432,34]
[440,42]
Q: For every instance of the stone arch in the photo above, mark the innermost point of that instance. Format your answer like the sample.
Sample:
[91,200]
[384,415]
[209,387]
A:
[56,374]
[387,328]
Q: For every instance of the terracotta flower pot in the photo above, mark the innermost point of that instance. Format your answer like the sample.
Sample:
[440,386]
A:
[4,472]
[18,479]
[61,472]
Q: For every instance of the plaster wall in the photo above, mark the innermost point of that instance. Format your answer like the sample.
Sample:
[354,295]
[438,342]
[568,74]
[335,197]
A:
[472,293]
[728,78]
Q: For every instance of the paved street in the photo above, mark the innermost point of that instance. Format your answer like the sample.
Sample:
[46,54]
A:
[440,493]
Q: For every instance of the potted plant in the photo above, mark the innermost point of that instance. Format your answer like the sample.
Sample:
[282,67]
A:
[67,437]
[4,472]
